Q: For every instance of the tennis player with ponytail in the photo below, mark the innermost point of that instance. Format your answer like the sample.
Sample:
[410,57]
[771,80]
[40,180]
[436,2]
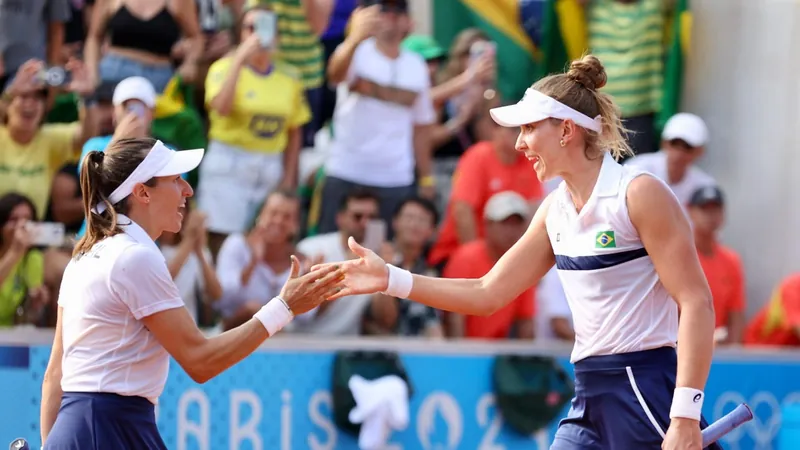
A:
[624,252]
[120,315]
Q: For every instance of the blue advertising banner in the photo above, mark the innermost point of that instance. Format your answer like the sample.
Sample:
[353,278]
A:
[281,401]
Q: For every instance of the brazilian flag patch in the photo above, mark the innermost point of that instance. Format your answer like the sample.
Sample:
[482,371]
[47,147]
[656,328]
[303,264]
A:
[605,239]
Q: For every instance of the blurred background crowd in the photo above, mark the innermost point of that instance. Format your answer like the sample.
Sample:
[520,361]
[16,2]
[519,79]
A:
[324,119]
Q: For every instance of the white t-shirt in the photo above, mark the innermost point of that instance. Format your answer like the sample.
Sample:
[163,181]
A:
[617,300]
[373,140]
[656,164]
[551,304]
[104,295]
[341,317]
[264,283]
[190,281]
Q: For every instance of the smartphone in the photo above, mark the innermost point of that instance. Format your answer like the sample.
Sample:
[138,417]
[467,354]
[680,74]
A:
[375,235]
[55,76]
[47,234]
[265,27]
[136,108]
[478,49]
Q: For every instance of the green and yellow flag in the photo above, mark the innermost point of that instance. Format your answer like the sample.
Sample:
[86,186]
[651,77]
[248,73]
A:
[678,39]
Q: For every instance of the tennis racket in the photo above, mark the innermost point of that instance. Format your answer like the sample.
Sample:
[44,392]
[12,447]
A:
[739,416]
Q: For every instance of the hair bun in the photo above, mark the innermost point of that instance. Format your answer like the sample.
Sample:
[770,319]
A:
[588,72]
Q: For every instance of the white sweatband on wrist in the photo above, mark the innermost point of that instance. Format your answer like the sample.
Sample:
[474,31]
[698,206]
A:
[274,315]
[687,403]
[400,282]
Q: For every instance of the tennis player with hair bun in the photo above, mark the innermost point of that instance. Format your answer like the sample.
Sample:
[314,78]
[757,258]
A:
[624,252]
[120,316]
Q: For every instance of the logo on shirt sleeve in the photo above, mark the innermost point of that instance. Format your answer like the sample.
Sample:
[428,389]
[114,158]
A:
[605,239]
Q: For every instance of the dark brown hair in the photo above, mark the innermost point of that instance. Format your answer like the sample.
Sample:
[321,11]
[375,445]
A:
[101,174]
[578,89]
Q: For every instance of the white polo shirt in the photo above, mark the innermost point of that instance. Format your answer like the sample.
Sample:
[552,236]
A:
[373,141]
[104,295]
[617,300]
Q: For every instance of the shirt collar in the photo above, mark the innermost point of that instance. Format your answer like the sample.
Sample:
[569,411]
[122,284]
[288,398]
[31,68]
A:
[610,174]
[136,232]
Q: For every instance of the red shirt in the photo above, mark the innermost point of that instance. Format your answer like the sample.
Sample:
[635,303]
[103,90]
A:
[479,175]
[723,270]
[776,323]
[472,260]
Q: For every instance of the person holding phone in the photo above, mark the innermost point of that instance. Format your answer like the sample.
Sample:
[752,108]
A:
[383,115]
[31,151]
[23,294]
[256,108]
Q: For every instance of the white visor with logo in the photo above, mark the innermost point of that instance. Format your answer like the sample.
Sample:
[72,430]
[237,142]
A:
[535,107]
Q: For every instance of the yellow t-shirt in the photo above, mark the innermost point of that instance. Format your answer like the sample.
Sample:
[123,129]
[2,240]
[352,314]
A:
[27,274]
[265,107]
[29,169]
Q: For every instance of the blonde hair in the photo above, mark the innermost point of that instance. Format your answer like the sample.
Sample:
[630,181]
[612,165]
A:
[578,89]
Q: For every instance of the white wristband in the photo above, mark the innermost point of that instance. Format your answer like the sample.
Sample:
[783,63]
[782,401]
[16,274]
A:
[274,315]
[400,282]
[687,403]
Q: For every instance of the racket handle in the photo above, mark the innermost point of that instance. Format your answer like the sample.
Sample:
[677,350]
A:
[714,432]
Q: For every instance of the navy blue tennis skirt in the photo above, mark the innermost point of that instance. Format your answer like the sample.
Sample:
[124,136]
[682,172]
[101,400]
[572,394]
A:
[95,421]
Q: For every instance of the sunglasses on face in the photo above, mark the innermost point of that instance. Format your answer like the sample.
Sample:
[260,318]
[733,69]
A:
[682,145]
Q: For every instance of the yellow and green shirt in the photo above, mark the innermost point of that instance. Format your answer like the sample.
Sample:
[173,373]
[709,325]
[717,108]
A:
[297,43]
[27,274]
[265,107]
[28,169]
[628,38]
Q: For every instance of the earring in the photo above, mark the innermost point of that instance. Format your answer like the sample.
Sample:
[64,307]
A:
[562,143]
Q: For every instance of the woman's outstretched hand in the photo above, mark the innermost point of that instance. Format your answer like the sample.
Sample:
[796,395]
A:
[366,275]
[306,292]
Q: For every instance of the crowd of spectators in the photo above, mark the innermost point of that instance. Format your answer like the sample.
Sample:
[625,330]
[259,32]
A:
[322,120]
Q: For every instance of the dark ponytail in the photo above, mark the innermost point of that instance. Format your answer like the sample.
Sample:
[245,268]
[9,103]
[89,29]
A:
[101,174]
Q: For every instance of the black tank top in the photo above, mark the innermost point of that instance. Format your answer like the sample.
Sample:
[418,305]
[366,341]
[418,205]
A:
[156,35]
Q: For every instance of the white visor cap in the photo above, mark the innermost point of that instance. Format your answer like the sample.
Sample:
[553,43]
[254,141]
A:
[535,107]
[159,162]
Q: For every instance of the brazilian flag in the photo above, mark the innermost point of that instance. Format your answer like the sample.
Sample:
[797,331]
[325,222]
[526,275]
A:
[678,39]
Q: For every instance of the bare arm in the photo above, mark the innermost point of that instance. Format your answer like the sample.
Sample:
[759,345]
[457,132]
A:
[291,158]
[55,43]
[517,270]
[667,237]
[210,279]
[464,217]
[423,150]
[340,60]
[190,26]
[222,103]
[94,38]
[88,121]
[318,13]
[204,358]
[51,383]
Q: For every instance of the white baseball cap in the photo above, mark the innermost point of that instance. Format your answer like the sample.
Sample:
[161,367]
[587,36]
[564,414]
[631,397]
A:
[505,204]
[686,127]
[535,107]
[135,88]
[159,162]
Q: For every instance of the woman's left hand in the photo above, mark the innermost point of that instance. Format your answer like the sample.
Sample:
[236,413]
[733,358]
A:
[683,434]
[81,83]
